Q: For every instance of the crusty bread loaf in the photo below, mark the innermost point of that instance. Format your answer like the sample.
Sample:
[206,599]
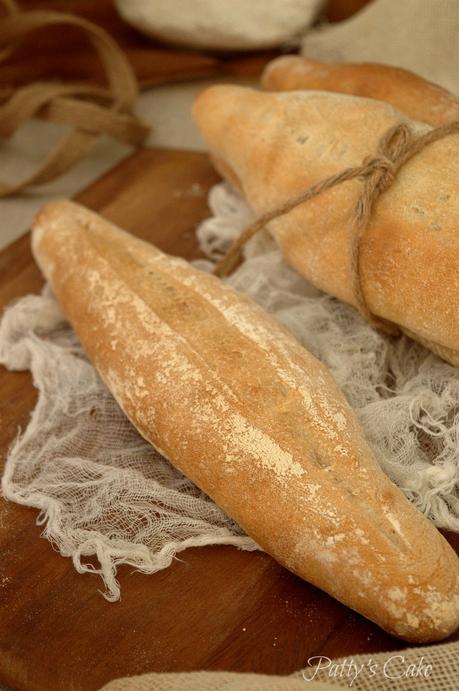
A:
[411,94]
[273,146]
[231,399]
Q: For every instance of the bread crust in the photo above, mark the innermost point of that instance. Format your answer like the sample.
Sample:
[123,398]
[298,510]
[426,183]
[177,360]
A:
[233,401]
[408,92]
[278,144]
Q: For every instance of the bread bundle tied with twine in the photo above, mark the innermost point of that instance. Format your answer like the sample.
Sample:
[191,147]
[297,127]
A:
[361,200]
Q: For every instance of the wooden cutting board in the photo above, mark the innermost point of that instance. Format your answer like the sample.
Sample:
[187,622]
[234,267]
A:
[217,608]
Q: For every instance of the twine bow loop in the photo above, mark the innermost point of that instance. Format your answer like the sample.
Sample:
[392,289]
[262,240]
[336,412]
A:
[380,171]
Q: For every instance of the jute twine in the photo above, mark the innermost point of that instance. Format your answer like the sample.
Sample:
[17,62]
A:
[397,146]
[90,110]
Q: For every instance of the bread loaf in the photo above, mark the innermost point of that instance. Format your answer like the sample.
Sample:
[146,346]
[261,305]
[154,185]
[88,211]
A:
[220,25]
[273,146]
[416,97]
[232,400]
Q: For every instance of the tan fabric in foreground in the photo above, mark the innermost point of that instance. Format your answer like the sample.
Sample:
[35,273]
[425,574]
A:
[213,681]
[402,670]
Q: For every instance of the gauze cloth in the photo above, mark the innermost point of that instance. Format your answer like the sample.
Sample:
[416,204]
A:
[103,491]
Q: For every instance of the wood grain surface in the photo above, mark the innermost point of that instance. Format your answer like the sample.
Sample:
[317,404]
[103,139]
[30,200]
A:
[214,608]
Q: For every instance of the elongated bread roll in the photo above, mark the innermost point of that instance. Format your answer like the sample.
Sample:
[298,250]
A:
[232,400]
[273,146]
[411,94]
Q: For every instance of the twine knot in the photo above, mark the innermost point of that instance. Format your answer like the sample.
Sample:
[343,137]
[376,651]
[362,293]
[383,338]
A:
[381,166]
[379,174]
[397,146]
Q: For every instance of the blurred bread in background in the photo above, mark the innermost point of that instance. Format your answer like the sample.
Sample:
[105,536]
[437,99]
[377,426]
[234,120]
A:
[413,95]
[222,25]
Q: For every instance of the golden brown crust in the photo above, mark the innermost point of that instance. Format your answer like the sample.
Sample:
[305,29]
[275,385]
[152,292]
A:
[416,97]
[278,144]
[252,418]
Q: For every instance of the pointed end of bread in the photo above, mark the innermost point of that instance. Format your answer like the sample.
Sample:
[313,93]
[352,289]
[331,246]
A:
[216,102]
[280,73]
[48,220]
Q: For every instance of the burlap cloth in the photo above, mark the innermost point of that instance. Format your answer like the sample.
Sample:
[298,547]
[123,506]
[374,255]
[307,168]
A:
[432,667]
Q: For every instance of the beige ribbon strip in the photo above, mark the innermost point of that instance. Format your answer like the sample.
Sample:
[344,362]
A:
[109,110]
[10,7]
[397,146]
